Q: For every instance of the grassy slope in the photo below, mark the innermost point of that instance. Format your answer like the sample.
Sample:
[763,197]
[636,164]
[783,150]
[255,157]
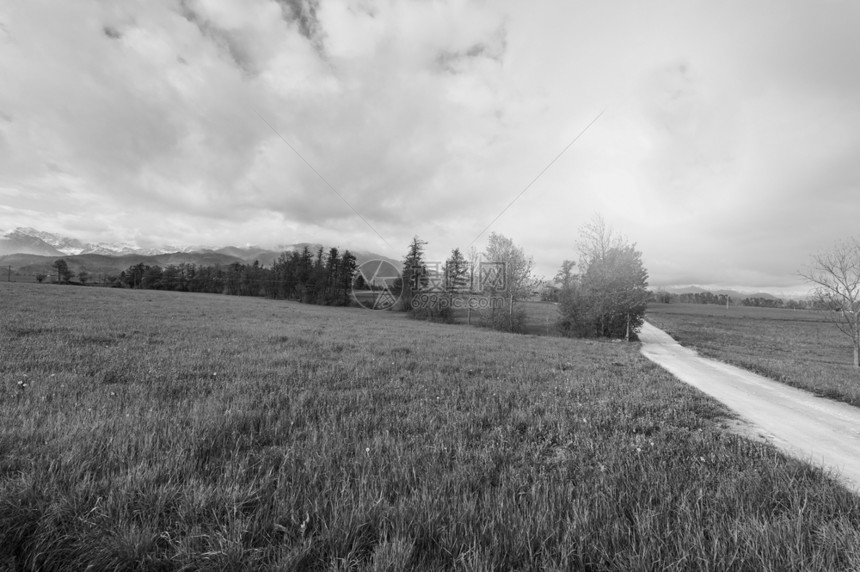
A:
[164,430]
[795,347]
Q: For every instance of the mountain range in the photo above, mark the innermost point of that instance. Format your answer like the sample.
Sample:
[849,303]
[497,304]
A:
[25,240]
[733,294]
[28,251]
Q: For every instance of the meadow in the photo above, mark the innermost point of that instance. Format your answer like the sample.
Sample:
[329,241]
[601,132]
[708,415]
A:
[796,347]
[147,430]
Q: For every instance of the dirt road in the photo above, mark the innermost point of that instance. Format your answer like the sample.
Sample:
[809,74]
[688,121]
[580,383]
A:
[811,428]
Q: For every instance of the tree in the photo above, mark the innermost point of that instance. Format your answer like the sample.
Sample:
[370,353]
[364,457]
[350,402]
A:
[83,276]
[134,275]
[346,274]
[170,278]
[456,272]
[565,275]
[332,269]
[609,297]
[616,286]
[151,278]
[595,241]
[518,284]
[40,277]
[414,274]
[63,272]
[835,275]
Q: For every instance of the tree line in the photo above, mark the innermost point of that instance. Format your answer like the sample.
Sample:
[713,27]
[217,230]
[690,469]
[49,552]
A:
[607,297]
[500,277]
[321,277]
[706,297]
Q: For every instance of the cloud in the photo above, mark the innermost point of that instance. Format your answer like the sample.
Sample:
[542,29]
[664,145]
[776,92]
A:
[304,13]
[162,117]
[727,148]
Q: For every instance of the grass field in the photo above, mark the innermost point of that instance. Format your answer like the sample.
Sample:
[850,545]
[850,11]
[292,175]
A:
[797,347]
[145,430]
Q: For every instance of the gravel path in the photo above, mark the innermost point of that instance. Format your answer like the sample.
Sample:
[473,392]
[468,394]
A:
[811,428]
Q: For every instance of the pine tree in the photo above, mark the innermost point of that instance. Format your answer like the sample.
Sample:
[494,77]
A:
[414,274]
[456,272]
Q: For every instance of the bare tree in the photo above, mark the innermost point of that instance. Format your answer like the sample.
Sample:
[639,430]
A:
[596,239]
[836,276]
[473,257]
[518,268]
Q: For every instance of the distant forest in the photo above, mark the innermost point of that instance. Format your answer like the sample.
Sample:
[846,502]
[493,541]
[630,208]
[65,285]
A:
[723,299]
[324,277]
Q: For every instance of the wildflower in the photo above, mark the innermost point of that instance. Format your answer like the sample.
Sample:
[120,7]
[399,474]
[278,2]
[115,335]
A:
[367,451]
[304,526]
[22,385]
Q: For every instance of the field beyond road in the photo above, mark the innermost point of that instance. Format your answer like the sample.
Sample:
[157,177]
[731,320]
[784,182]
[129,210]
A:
[797,347]
[155,430]
[808,427]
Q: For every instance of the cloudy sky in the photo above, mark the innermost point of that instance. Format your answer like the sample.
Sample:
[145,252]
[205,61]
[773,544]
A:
[728,148]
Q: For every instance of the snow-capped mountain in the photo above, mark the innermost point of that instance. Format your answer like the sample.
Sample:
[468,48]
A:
[34,241]
[64,244]
[15,242]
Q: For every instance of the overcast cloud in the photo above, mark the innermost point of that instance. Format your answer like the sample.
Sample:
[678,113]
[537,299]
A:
[729,150]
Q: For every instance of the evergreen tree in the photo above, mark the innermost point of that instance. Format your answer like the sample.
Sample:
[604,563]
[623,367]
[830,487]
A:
[456,272]
[414,274]
[63,272]
[346,273]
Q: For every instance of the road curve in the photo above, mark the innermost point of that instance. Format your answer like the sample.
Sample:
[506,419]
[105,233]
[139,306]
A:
[814,429]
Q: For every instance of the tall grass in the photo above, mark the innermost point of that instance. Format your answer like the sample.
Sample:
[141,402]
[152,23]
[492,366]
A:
[796,347]
[165,431]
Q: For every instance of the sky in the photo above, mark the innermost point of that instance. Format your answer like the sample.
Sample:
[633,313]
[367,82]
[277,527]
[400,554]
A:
[723,138]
